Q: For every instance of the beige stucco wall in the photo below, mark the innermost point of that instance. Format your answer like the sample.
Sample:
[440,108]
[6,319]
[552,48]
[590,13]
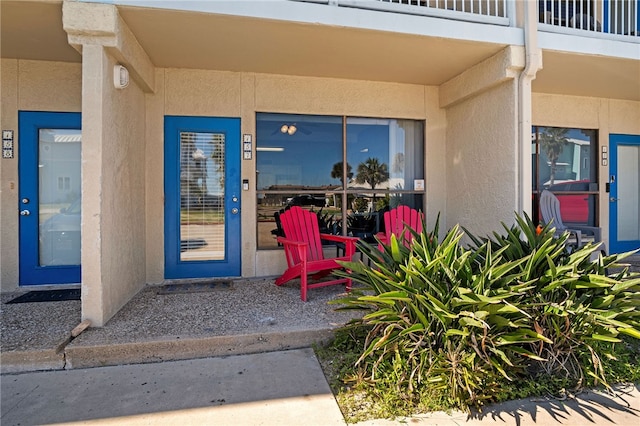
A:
[481,159]
[113,199]
[606,115]
[226,94]
[27,86]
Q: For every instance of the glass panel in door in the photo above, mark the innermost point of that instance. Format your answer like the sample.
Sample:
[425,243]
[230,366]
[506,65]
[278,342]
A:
[59,197]
[202,196]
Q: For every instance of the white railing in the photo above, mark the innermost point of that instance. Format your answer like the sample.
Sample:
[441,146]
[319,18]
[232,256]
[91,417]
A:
[596,17]
[600,16]
[483,11]
[497,8]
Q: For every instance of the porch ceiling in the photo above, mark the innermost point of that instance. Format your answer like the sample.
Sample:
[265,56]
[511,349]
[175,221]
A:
[32,29]
[588,75]
[235,43]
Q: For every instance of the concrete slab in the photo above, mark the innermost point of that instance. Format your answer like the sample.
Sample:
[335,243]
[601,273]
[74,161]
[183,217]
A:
[276,388]
[31,334]
[83,355]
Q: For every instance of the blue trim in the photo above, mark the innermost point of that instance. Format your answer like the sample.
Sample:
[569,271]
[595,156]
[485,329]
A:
[29,124]
[230,266]
[616,246]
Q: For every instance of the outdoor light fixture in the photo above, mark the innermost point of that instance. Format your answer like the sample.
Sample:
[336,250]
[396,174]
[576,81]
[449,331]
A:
[120,77]
[288,129]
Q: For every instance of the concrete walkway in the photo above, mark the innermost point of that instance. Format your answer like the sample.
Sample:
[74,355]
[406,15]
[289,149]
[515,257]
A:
[274,388]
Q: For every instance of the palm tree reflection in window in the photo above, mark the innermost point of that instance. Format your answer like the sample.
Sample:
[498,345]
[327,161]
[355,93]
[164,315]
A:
[372,172]
[552,141]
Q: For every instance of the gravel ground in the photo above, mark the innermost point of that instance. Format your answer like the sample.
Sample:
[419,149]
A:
[247,306]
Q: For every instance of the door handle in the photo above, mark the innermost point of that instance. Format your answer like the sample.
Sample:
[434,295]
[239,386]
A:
[234,210]
[25,212]
[613,199]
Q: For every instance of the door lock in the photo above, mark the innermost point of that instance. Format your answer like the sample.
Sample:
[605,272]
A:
[234,210]
[25,212]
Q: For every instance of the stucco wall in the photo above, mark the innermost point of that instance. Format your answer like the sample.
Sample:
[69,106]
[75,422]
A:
[605,115]
[113,230]
[27,86]
[481,159]
[225,94]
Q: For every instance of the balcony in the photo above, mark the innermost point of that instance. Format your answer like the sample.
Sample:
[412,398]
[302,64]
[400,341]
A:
[589,17]
[605,18]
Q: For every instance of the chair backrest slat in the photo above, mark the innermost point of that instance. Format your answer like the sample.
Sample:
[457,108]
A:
[550,209]
[399,218]
[302,225]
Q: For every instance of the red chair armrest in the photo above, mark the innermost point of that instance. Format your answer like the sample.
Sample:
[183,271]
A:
[349,242]
[286,242]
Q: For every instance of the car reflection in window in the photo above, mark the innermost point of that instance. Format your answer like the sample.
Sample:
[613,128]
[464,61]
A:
[60,237]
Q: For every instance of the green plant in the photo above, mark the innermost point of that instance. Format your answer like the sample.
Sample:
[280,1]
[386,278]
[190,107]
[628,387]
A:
[572,301]
[433,320]
[328,223]
[465,320]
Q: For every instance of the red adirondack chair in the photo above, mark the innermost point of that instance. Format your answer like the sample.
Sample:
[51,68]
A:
[398,221]
[302,244]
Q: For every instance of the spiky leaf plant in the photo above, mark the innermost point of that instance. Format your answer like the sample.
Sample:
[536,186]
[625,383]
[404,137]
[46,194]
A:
[463,319]
[448,323]
[572,300]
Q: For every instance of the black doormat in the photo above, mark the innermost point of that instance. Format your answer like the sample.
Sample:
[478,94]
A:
[200,287]
[47,296]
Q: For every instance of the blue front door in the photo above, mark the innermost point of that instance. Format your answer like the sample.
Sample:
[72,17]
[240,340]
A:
[624,195]
[49,150]
[202,197]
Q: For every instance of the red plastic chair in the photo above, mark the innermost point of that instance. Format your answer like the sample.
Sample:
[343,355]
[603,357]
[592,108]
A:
[302,244]
[396,222]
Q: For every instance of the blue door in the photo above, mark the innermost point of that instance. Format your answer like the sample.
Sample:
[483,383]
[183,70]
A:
[202,197]
[624,195]
[49,197]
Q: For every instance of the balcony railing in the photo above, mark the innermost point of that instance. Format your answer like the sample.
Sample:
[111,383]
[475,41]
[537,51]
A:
[619,17]
[586,17]
[493,8]
[483,11]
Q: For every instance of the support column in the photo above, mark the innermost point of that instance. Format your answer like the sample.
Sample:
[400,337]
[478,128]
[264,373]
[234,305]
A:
[113,158]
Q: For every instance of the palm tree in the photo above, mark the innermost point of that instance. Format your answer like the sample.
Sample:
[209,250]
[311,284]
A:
[552,141]
[373,172]
[337,172]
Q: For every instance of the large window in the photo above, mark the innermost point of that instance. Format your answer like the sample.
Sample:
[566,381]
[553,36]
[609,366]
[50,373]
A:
[564,161]
[349,170]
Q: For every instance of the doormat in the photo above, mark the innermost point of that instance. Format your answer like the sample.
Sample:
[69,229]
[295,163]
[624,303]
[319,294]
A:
[47,296]
[201,287]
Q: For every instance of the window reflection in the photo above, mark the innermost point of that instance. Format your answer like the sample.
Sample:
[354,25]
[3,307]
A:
[563,161]
[303,161]
[59,196]
[300,160]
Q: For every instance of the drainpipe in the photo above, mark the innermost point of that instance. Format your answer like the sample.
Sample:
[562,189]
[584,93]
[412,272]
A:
[533,63]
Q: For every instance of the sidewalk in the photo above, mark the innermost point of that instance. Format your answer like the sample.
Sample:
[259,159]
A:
[275,388]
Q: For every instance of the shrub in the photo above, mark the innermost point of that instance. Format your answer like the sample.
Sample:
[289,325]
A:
[571,301]
[462,320]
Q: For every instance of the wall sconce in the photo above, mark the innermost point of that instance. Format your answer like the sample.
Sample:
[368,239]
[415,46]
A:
[120,77]
[288,129]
